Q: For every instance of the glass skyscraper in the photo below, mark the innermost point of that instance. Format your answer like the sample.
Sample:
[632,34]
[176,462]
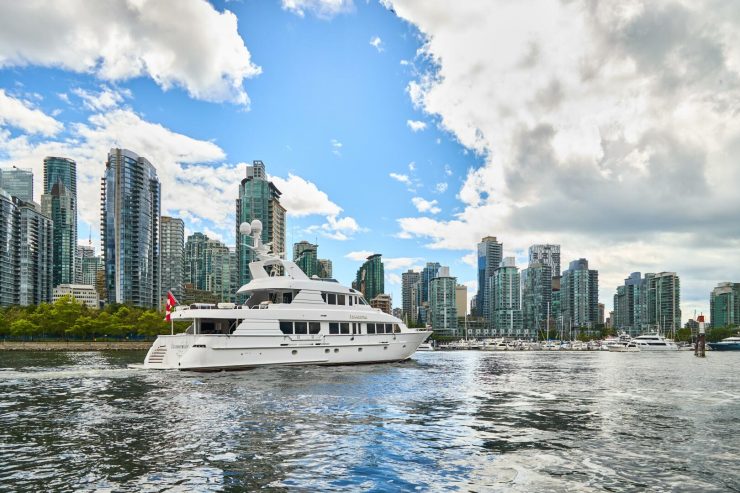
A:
[172,231]
[442,305]
[724,305]
[130,209]
[305,255]
[208,266]
[18,182]
[490,254]
[258,199]
[536,281]
[59,202]
[506,315]
[25,252]
[370,277]
[579,296]
[35,274]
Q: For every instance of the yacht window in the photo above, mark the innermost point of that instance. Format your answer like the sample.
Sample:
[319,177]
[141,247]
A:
[344,326]
[286,327]
[354,328]
[380,328]
[301,328]
[349,299]
[331,298]
[371,328]
[287,297]
[340,299]
[362,300]
[396,328]
[388,328]
[333,328]
[323,297]
[314,327]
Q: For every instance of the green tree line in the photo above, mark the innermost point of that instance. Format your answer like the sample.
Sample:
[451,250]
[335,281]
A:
[68,318]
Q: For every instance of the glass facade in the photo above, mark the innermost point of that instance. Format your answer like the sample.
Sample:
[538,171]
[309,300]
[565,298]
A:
[409,282]
[506,316]
[18,182]
[258,199]
[172,233]
[546,254]
[26,237]
[305,255]
[35,275]
[208,266]
[442,305]
[130,206]
[490,255]
[9,249]
[370,277]
[59,201]
[579,296]
[536,282]
[724,305]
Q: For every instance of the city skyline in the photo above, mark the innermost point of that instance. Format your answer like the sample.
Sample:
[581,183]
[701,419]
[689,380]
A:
[366,101]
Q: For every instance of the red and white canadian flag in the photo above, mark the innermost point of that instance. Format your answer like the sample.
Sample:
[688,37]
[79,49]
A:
[171,302]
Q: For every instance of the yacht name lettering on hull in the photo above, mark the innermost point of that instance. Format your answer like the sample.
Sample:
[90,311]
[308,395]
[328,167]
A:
[358,317]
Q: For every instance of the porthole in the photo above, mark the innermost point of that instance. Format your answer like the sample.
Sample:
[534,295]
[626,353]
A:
[336,349]
[359,349]
[326,350]
[385,347]
[295,351]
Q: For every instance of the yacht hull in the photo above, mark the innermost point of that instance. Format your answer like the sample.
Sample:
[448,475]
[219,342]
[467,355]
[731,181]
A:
[234,352]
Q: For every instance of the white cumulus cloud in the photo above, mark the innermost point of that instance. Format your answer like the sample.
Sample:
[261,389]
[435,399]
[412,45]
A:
[401,177]
[376,43]
[416,125]
[21,114]
[610,128]
[423,205]
[324,9]
[184,43]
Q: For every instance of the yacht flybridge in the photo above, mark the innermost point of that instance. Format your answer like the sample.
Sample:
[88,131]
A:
[288,319]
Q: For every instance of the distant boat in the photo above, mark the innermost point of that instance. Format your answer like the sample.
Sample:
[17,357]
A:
[728,344]
[654,342]
[425,346]
[629,347]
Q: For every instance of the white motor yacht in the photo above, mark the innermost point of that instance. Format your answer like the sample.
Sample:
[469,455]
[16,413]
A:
[654,342]
[288,319]
[628,347]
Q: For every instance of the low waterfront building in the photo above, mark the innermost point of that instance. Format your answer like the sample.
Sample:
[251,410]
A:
[81,292]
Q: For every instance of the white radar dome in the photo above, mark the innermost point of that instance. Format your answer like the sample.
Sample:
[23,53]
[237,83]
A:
[245,228]
[257,226]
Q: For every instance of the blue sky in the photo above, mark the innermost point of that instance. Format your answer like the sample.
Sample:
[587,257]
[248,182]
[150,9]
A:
[405,128]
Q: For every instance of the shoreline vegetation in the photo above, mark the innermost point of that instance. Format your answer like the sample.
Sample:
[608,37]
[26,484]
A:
[74,345]
[68,324]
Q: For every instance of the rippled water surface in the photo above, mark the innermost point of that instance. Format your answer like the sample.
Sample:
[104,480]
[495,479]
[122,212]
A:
[465,421]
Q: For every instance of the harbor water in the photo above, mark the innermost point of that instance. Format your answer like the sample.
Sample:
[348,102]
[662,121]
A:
[442,421]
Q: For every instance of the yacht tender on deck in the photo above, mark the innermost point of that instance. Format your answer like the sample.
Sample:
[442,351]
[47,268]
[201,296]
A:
[287,320]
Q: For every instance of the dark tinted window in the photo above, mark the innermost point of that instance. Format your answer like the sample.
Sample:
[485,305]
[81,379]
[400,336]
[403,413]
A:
[323,297]
[331,298]
[396,328]
[340,299]
[287,297]
[371,328]
[344,327]
[349,298]
[301,328]
[286,327]
[333,328]
[388,328]
[314,327]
